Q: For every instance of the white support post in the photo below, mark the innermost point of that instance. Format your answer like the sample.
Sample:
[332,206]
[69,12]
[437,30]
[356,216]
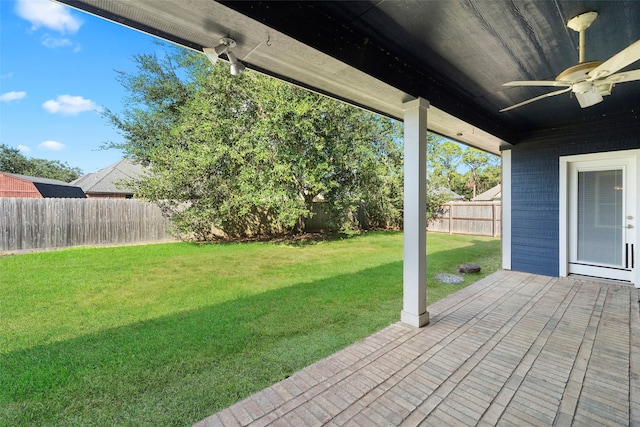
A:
[506,209]
[414,311]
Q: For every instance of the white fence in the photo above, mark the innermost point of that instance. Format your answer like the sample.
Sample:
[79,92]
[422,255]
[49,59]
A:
[477,218]
[27,224]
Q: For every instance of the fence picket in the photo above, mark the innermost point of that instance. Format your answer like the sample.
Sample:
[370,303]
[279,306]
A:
[57,223]
[477,218]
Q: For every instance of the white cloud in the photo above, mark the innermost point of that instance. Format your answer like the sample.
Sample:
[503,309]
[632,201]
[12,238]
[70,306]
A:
[12,96]
[23,148]
[51,146]
[45,13]
[70,105]
[53,42]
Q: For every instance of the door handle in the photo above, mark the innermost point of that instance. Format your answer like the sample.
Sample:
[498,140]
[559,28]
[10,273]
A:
[628,226]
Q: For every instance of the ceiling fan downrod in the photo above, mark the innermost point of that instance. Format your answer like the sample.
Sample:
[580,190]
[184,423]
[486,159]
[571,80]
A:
[580,24]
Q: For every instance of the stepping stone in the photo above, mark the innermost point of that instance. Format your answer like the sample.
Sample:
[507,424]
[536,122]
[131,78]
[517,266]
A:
[468,268]
[451,279]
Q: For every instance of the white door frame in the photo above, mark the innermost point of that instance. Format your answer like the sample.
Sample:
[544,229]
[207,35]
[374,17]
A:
[564,203]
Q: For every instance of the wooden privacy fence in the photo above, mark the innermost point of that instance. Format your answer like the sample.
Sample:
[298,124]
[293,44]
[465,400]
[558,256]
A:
[478,218]
[27,224]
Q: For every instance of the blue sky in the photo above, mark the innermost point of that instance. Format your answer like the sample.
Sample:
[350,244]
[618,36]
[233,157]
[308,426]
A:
[56,74]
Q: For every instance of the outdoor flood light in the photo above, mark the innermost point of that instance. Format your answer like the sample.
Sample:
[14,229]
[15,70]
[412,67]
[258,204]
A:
[226,43]
[214,52]
[237,67]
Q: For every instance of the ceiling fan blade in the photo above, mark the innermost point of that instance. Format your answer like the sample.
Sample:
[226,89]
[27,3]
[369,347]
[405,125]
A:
[625,76]
[553,83]
[617,62]
[546,95]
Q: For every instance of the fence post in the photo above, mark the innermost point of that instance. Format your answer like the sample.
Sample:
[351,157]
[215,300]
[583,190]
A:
[450,217]
[494,222]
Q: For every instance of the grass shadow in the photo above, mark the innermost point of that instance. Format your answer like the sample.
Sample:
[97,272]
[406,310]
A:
[178,369]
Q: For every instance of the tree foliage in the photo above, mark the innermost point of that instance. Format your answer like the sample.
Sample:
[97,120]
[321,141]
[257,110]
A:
[482,169]
[249,154]
[445,160]
[12,161]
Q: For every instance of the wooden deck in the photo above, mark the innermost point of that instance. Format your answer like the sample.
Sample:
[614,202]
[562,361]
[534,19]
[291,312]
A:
[513,349]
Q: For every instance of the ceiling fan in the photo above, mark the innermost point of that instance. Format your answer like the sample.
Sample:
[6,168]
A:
[588,80]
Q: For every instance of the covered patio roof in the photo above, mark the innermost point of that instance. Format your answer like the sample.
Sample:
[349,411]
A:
[513,349]
[381,54]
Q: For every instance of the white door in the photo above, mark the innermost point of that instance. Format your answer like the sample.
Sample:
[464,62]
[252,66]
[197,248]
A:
[602,218]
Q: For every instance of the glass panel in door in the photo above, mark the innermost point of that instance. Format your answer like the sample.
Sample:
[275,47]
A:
[600,217]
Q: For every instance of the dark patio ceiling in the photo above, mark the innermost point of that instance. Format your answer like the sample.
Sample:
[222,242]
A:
[378,54]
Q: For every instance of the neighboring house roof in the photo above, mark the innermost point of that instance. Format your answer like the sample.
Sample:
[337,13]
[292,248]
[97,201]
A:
[494,193]
[107,180]
[51,187]
[450,193]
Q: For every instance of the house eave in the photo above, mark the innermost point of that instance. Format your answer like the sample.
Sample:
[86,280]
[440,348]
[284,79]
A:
[274,53]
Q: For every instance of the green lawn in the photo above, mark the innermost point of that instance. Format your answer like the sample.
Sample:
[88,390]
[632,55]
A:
[168,334]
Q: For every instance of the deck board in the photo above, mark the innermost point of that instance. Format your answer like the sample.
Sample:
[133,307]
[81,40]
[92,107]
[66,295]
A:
[510,349]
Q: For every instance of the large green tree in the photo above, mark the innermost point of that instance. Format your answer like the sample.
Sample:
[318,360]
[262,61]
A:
[250,153]
[443,159]
[483,172]
[12,161]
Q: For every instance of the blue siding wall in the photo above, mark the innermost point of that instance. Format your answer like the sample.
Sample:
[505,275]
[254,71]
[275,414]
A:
[534,211]
[535,191]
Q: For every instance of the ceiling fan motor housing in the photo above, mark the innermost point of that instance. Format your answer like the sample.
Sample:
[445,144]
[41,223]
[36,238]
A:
[578,72]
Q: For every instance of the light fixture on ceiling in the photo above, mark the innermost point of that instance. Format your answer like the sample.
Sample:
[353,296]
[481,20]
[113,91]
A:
[214,52]
[587,94]
[237,67]
[226,43]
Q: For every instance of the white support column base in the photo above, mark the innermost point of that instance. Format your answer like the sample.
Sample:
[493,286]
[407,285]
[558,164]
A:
[413,320]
